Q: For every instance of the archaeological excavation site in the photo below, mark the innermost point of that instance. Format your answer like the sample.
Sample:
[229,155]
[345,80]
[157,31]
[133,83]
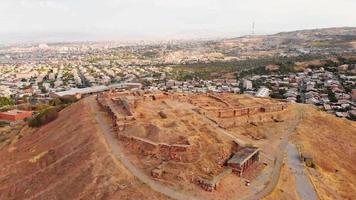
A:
[191,142]
[134,144]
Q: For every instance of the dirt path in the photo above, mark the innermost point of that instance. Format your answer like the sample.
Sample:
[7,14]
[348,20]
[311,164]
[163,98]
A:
[276,171]
[117,151]
[304,187]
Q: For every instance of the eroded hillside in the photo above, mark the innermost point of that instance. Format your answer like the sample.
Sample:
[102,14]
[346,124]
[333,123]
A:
[71,158]
[66,159]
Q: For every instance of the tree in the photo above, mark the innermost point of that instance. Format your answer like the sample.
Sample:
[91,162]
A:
[44,117]
[4,101]
[332,96]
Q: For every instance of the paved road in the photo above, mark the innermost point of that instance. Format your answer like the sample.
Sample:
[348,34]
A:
[117,151]
[305,189]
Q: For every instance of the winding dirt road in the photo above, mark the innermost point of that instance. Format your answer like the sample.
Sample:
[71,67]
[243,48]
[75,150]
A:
[278,160]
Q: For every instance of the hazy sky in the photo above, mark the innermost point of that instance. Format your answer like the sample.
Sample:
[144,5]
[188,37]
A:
[26,20]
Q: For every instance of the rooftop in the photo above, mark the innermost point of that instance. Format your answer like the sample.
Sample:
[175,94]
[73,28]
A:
[15,112]
[242,155]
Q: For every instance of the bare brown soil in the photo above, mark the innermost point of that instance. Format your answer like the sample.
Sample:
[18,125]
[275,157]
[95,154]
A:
[285,189]
[66,159]
[69,158]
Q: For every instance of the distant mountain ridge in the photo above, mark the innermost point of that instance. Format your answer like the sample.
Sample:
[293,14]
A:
[317,33]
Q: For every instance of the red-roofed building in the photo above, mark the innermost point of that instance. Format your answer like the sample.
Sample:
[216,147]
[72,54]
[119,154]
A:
[15,115]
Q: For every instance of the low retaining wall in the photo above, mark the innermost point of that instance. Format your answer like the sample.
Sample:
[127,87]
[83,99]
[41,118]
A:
[213,184]
[251,119]
[229,113]
[176,152]
[219,99]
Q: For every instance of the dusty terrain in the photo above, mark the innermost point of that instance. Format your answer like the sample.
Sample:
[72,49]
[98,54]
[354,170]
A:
[199,122]
[70,158]
[66,159]
[285,189]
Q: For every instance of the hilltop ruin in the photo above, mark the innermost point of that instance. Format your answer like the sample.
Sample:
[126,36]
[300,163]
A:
[147,125]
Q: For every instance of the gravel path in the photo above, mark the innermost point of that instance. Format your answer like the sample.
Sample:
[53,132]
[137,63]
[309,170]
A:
[304,187]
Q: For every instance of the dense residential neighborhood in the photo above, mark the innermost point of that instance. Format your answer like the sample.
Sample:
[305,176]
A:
[295,71]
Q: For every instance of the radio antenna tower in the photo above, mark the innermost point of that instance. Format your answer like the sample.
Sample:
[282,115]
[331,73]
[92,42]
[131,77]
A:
[253,28]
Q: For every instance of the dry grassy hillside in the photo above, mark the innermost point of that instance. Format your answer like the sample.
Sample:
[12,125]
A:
[69,159]
[285,189]
[332,144]
[66,159]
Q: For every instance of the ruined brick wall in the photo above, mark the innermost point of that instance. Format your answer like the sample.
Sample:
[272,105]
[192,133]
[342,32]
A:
[139,145]
[241,112]
[204,184]
[254,110]
[225,113]
[176,152]
[230,113]
[218,99]
[255,119]
[127,107]
[273,108]
[161,96]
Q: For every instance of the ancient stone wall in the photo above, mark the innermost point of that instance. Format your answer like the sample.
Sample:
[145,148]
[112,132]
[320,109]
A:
[211,185]
[139,145]
[205,184]
[163,96]
[176,152]
[218,99]
[128,106]
[230,113]
[252,119]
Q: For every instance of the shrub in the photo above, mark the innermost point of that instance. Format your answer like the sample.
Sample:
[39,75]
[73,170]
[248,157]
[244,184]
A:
[44,117]
[68,99]
[4,101]
[55,102]
[40,107]
[309,162]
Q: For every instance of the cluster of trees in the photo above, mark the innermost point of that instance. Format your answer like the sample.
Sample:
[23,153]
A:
[241,68]
[5,101]
[50,111]
[66,100]
[44,117]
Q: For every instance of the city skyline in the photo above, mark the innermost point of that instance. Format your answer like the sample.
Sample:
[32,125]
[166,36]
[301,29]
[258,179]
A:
[78,20]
